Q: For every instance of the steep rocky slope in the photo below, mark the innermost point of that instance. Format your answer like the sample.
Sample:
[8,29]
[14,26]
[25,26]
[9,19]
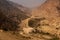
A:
[10,18]
[12,12]
[50,10]
[45,22]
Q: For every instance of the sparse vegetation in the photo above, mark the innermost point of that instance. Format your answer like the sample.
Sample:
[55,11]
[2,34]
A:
[35,22]
[55,38]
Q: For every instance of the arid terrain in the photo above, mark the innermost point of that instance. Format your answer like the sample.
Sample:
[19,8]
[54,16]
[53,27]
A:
[20,23]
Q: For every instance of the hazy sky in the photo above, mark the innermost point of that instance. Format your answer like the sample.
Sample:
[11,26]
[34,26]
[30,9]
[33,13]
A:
[29,3]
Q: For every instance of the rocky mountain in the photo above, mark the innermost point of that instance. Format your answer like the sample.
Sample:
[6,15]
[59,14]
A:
[50,10]
[11,15]
[44,24]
